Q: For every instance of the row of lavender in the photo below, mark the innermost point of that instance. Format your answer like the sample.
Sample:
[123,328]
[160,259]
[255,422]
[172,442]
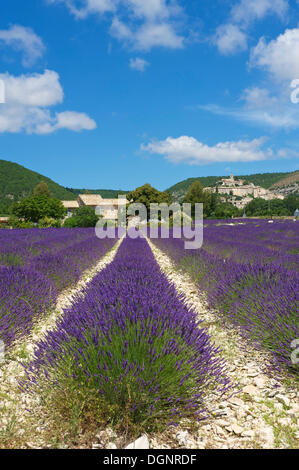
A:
[276,242]
[35,266]
[130,346]
[250,274]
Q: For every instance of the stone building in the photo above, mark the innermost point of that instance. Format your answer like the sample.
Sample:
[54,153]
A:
[241,193]
[108,208]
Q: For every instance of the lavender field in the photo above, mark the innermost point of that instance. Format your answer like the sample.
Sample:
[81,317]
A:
[133,351]
[35,266]
[249,272]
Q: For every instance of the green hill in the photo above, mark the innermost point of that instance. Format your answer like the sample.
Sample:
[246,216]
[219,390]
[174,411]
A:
[105,193]
[17,182]
[290,179]
[266,180]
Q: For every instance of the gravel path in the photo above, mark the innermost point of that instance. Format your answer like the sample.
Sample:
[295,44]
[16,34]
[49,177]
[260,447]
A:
[14,405]
[263,411]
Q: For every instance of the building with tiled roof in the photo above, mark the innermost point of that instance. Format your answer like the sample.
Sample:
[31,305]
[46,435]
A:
[107,208]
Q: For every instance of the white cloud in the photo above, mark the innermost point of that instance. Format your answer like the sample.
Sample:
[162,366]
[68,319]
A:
[147,35]
[188,150]
[250,10]
[24,40]
[120,30]
[230,39]
[70,120]
[277,117]
[138,64]
[88,7]
[74,121]
[34,89]
[256,97]
[152,9]
[157,35]
[280,56]
[142,24]
[149,9]
[26,108]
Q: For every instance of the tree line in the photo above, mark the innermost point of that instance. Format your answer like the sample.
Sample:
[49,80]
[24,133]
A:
[41,209]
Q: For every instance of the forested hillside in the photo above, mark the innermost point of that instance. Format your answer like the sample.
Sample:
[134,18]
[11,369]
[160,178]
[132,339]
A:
[105,193]
[17,182]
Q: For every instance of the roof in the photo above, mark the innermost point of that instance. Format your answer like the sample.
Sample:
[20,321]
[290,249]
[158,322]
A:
[97,200]
[113,202]
[90,199]
[70,204]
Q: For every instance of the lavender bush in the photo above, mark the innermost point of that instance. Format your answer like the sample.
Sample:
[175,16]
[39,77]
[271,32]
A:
[131,345]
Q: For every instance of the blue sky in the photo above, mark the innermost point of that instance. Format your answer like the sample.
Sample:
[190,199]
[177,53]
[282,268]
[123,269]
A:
[116,93]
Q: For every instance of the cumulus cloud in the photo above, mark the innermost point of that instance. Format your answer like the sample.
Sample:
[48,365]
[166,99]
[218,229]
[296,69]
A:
[256,97]
[232,37]
[247,11]
[87,7]
[189,150]
[141,24]
[34,89]
[138,64]
[28,98]
[157,35]
[280,56]
[271,107]
[24,40]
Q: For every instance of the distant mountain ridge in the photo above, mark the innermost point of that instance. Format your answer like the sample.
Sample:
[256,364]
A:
[17,182]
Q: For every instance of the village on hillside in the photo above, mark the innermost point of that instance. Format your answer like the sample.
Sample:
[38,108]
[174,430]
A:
[240,193]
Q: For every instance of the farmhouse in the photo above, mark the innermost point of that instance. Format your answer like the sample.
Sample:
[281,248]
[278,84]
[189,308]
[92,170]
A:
[108,208]
[70,206]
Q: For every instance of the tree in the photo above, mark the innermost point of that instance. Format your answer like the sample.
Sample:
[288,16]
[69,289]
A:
[146,195]
[42,189]
[226,211]
[14,222]
[292,203]
[195,195]
[49,222]
[84,216]
[261,208]
[34,208]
